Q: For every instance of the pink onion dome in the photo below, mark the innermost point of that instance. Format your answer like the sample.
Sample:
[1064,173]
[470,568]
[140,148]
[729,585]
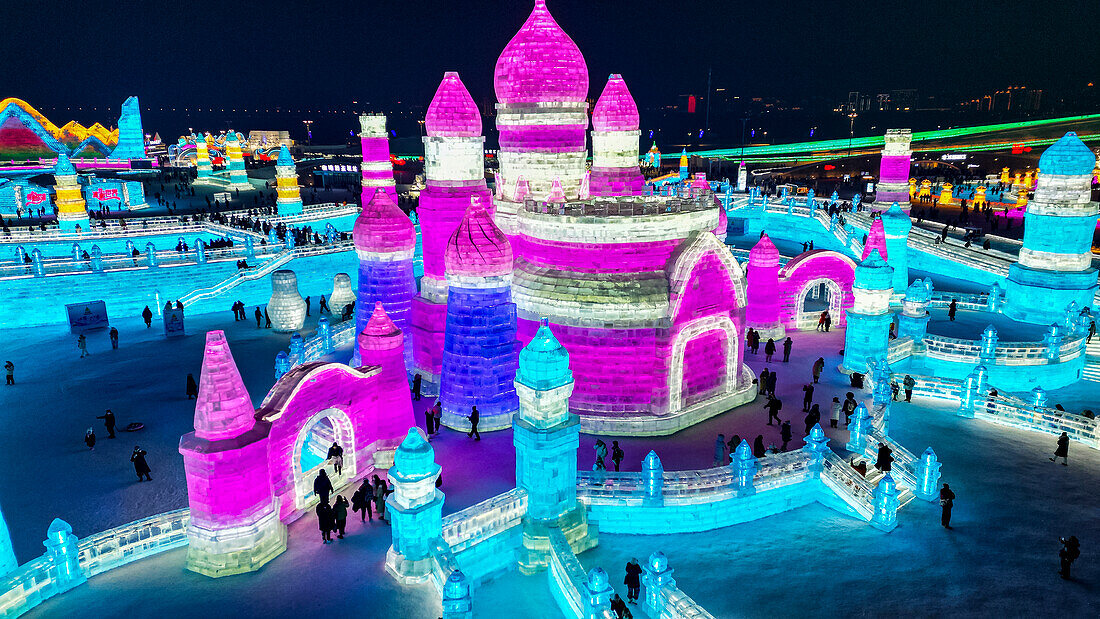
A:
[382,227]
[699,182]
[764,253]
[452,112]
[541,64]
[615,110]
[478,248]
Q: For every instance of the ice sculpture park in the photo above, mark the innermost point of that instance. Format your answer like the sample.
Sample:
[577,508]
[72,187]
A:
[540,376]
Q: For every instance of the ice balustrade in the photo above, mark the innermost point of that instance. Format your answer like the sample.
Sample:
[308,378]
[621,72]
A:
[847,483]
[1006,353]
[273,262]
[963,300]
[663,599]
[120,262]
[903,468]
[570,585]
[476,523]
[899,349]
[623,206]
[38,580]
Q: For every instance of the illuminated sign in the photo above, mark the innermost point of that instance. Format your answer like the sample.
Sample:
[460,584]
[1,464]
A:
[34,197]
[953,157]
[105,194]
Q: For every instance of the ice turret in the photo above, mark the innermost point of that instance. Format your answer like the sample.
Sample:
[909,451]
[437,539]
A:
[615,137]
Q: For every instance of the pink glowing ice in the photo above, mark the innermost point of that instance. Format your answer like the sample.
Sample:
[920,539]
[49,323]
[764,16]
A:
[383,228]
[615,110]
[452,112]
[478,248]
[223,408]
[540,64]
[876,239]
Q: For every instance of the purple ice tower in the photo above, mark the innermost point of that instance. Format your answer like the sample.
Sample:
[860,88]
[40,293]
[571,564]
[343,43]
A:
[893,177]
[615,137]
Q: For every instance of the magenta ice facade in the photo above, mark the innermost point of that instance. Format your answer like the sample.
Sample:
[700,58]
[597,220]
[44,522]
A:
[810,271]
[385,241]
[615,136]
[376,167]
[541,81]
[876,239]
[893,176]
[454,171]
[762,311]
[382,344]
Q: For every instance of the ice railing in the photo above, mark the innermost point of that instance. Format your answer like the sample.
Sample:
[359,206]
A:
[963,300]
[313,348]
[691,486]
[899,349]
[623,206]
[566,577]
[675,604]
[904,467]
[1006,353]
[479,522]
[312,212]
[848,484]
[270,265]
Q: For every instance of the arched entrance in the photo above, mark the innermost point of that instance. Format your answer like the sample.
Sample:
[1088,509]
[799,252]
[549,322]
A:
[706,369]
[816,296]
[311,454]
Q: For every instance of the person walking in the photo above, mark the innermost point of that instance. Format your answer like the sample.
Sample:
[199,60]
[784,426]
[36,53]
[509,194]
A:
[108,421]
[429,419]
[141,466]
[267,319]
[812,418]
[720,450]
[834,414]
[326,521]
[785,434]
[114,338]
[322,486]
[89,438]
[336,454]
[758,449]
[1071,550]
[762,381]
[601,452]
[362,499]
[773,376]
[773,407]
[307,305]
[381,491]
[787,343]
[828,320]
[849,407]
[82,344]
[885,458]
[1063,450]
[947,501]
[474,418]
[192,387]
[147,315]
[617,454]
[818,367]
[909,383]
[322,306]
[340,515]
[769,350]
[633,580]
[807,397]
[951,309]
[821,322]
[259,316]
[9,369]
[437,416]
[416,387]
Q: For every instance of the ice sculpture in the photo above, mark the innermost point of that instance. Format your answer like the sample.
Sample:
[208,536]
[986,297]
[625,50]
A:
[376,166]
[342,293]
[893,185]
[454,173]
[886,504]
[381,343]
[415,509]
[762,310]
[385,241]
[289,201]
[63,549]
[914,316]
[204,169]
[234,525]
[1055,263]
[896,226]
[286,308]
[237,176]
[131,137]
[71,211]
[876,240]
[867,335]
[928,476]
[615,135]
[480,346]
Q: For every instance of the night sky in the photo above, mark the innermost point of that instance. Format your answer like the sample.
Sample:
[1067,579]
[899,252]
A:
[328,54]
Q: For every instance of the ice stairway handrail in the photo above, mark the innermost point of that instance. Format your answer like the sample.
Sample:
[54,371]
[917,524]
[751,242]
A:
[239,277]
[848,485]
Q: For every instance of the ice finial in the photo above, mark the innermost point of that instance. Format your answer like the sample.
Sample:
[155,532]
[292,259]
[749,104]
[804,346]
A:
[876,239]
[1067,157]
[615,109]
[452,112]
[557,194]
[764,253]
[284,157]
[223,408]
[380,323]
[544,362]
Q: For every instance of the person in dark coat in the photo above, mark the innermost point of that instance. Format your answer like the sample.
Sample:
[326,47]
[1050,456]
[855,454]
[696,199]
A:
[416,387]
[192,387]
[812,418]
[326,521]
[951,309]
[617,454]
[828,321]
[785,434]
[259,316]
[114,338]
[618,606]
[108,421]
[141,467]
[147,316]
[773,407]
[1071,549]
[719,450]
[762,387]
[362,500]
[429,421]
[758,449]
[340,515]
[433,416]
[322,486]
[1063,450]
[807,397]
[885,458]
[336,454]
[787,343]
[817,368]
[474,418]
[633,580]
[267,319]
[947,501]
[769,350]
[381,491]
[89,438]
[772,378]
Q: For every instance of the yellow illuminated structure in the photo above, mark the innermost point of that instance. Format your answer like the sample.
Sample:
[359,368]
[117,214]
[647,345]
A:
[1027,179]
[1016,179]
[925,188]
[202,160]
[1021,197]
[1004,176]
[945,194]
[72,216]
[979,196]
[912,188]
[289,201]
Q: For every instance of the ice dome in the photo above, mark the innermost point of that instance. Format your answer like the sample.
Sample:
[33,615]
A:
[383,227]
[764,253]
[540,64]
[615,110]
[452,112]
[544,362]
[284,157]
[1068,156]
[478,248]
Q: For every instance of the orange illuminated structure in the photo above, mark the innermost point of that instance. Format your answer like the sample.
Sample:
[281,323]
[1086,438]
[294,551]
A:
[979,196]
[1004,176]
[925,188]
[945,194]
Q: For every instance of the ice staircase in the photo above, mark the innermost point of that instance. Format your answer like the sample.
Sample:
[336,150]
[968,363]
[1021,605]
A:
[239,278]
[851,487]
[1092,361]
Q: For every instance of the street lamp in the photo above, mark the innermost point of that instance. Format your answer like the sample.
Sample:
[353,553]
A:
[309,131]
[851,131]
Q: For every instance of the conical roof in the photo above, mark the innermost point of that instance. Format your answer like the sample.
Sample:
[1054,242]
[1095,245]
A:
[64,166]
[284,157]
[876,239]
[478,248]
[764,253]
[541,63]
[544,362]
[223,408]
[380,332]
[452,112]
[382,227]
[1068,156]
[615,110]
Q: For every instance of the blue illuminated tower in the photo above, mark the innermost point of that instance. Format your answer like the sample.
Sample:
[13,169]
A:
[546,438]
[7,553]
[913,319]
[480,348]
[896,224]
[131,137]
[868,332]
[415,509]
[1055,263]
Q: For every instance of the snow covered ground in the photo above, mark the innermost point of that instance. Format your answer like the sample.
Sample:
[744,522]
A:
[1012,504]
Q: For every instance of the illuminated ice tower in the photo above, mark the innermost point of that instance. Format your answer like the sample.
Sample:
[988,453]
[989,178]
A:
[1055,263]
[71,212]
[8,561]
[381,343]
[541,81]
[289,201]
[762,311]
[867,335]
[377,168]
[546,438]
[234,525]
[480,346]
[131,137]
[202,159]
[615,137]
[454,172]
[415,510]
[237,176]
[893,176]
[385,241]
[896,226]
